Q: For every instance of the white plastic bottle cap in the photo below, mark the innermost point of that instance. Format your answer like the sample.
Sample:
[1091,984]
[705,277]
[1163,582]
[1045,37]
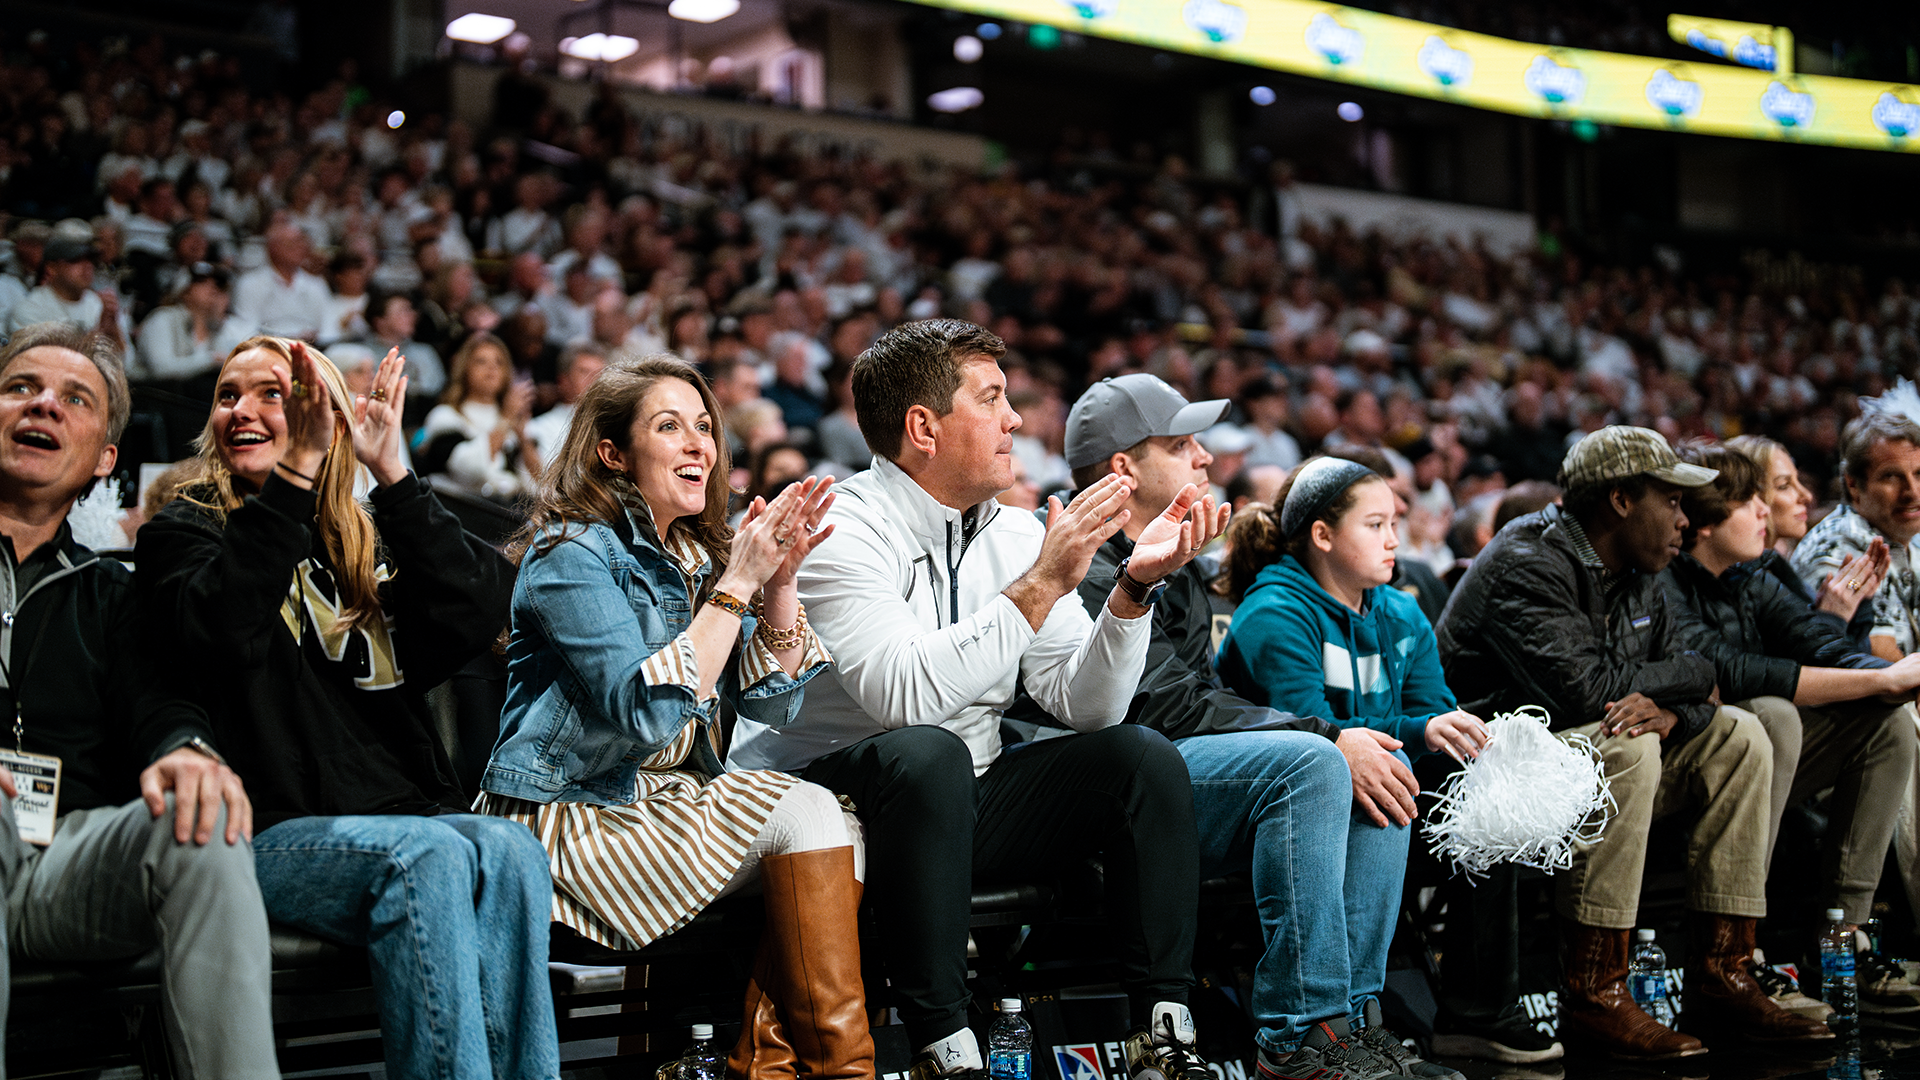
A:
[1643,934]
[703,1031]
[1010,1005]
[1835,914]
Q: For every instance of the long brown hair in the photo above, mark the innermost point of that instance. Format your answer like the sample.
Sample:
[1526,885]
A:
[457,370]
[579,489]
[345,527]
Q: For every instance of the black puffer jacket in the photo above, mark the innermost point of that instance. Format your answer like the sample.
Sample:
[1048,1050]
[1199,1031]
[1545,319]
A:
[1757,632]
[1857,632]
[1532,623]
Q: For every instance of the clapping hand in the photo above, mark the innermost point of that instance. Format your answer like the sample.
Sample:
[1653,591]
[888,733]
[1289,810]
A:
[309,413]
[1855,581]
[768,538]
[376,421]
[816,498]
[1176,535]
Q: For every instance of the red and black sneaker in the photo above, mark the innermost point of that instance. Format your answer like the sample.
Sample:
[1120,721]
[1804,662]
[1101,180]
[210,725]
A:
[1329,1052]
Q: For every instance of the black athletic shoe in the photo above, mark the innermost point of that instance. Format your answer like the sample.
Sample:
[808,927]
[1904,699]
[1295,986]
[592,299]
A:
[1375,1036]
[1509,1038]
[1329,1052]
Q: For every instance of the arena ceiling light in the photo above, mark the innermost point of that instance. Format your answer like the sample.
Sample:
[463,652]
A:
[479,29]
[608,48]
[702,11]
[956,99]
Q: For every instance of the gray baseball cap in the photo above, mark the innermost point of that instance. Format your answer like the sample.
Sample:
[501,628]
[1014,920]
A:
[1114,414]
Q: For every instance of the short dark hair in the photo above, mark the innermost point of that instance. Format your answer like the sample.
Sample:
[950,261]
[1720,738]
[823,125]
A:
[916,363]
[1867,431]
[564,363]
[1740,479]
[92,344]
[1523,498]
[1585,503]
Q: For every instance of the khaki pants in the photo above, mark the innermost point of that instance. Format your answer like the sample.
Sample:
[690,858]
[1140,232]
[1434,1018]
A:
[1864,751]
[1724,771]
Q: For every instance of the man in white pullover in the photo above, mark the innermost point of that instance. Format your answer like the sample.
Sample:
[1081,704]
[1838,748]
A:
[935,602]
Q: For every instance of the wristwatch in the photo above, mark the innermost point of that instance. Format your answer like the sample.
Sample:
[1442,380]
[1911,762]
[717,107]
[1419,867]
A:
[1138,591]
[201,746]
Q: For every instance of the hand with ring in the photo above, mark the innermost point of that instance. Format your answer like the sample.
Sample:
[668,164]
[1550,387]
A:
[1855,580]
[375,422]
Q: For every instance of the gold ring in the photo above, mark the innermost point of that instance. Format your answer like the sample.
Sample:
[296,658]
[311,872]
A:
[299,389]
[379,393]
[1854,584]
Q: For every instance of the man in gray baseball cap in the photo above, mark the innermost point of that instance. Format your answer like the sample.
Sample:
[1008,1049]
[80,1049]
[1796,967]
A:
[1272,791]
[1115,415]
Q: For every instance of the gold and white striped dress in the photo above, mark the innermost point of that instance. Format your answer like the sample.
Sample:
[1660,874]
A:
[625,876]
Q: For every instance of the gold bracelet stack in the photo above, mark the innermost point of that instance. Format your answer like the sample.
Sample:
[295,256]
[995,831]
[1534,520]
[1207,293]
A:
[778,640]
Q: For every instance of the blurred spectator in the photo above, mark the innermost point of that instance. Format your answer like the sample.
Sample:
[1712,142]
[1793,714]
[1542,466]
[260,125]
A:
[839,431]
[391,322]
[1267,408]
[66,294]
[281,297]
[345,319]
[800,407]
[576,368]
[192,334]
[476,438]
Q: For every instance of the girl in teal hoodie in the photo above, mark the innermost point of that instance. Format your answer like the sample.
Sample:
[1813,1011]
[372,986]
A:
[1317,632]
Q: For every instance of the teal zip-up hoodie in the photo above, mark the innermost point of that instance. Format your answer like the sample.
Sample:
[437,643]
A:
[1294,647]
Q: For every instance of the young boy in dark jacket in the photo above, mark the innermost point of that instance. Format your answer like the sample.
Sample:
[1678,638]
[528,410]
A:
[1837,717]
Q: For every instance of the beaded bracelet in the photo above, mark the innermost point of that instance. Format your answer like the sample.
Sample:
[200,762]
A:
[779,640]
[728,602]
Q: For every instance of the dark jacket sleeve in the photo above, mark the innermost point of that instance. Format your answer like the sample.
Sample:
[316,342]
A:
[217,589]
[1677,679]
[1791,629]
[158,720]
[1175,699]
[451,591]
[1537,629]
[1741,674]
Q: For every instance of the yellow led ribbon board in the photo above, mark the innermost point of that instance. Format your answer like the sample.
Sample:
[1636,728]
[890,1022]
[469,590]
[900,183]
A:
[1385,52]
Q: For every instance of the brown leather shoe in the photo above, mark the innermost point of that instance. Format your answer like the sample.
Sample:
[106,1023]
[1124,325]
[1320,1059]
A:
[1597,1012]
[813,906]
[763,1052]
[1721,995]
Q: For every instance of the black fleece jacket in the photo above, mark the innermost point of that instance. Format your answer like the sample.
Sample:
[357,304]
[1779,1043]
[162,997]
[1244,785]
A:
[80,676]
[319,720]
[1757,632]
[1535,623]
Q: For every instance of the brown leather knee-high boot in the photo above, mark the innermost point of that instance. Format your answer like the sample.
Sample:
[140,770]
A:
[812,945]
[762,1052]
[1598,1012]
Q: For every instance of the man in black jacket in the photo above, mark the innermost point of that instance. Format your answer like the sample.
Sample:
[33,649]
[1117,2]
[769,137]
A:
[1838,718]
[123,830]
[1296,800]
[1563,610]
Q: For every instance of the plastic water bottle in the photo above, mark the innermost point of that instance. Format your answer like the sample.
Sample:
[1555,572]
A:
[1010,1044]
[1836,972]
[1649,978]
[702,1059]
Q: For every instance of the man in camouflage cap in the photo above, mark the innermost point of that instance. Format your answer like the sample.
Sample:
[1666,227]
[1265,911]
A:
[1563,610]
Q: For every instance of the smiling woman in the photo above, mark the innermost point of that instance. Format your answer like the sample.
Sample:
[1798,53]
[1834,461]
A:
[641,625]
[312,626]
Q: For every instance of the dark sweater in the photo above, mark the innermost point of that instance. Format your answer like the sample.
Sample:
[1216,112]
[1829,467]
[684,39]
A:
[81,677]
[316,720]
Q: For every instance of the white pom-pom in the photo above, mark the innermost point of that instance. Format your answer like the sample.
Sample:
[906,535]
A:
[96,518]
[1527,799]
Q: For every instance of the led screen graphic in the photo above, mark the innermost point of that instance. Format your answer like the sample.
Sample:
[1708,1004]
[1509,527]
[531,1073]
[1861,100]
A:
[1385,52]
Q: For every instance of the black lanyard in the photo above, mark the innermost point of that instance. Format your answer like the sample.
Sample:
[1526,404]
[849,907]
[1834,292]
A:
[6,672]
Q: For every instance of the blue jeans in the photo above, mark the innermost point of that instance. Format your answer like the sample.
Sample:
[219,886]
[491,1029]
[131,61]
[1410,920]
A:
[453,911]
[1326,879]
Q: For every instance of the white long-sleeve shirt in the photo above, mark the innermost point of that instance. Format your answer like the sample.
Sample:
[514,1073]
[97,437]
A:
[921,632]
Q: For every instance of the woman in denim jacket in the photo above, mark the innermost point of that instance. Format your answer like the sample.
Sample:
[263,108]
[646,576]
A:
[642,625]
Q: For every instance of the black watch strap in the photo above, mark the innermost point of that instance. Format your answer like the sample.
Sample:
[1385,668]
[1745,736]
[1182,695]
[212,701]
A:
[1138,591]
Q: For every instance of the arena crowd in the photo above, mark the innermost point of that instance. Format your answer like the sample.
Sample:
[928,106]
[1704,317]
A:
[784,432]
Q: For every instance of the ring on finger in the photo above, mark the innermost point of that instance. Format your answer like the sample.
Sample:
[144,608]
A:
[299,389]
[379,393]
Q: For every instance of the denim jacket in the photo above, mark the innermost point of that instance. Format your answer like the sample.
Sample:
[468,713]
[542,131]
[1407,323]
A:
[601,677]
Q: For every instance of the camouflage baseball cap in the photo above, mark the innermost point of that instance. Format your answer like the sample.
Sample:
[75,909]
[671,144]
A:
[1618,452]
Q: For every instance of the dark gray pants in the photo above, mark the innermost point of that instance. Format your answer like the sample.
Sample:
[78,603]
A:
[113,885]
